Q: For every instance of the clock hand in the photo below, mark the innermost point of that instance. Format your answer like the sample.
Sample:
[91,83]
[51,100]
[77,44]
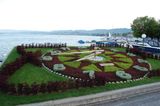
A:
[81,52]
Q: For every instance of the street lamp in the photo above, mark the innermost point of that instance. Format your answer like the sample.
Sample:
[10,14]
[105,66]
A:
[143,37]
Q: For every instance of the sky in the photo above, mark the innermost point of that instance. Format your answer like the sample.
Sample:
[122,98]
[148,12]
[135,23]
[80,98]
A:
[49,15]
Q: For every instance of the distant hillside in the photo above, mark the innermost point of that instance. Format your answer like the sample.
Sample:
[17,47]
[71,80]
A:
[91,32]
[69,32]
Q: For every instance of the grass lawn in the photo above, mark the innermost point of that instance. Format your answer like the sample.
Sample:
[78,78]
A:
[70,51]
[12,56]
[119,49]
[83,55]
[111,69]
[106,58]
[74,64]
[154,63]
[123,65]
[120,55]
[128,60]
[63,58]
[30,74]
[91,67]
[109,52]
[43,50]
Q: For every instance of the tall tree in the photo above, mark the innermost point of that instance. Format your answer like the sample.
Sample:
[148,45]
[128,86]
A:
[146,25]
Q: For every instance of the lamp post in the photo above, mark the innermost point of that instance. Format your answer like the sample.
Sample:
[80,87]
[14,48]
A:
[143,37]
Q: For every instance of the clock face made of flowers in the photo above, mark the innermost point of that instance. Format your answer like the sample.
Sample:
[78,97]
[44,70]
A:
[86,64]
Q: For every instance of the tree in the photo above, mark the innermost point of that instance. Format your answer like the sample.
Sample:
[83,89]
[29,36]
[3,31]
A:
[147,25]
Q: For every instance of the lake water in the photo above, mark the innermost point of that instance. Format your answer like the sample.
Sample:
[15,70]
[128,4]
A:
[7,41]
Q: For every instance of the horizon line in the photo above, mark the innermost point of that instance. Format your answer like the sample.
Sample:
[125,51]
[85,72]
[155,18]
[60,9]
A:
[64,29]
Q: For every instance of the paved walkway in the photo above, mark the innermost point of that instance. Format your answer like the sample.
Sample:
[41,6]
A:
[150,99]
[101,97]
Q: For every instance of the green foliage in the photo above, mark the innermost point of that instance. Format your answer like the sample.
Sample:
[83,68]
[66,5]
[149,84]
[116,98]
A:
[123,65]
[12,56]
[111,68]
[30,74]
[63,58]
[146,25]
[91,67]
[109,52]
[120,55]
[70,51]
[74,64]
[128,60]
[121,49]
[83,55]
[106,58]
[43,50]
[154,63]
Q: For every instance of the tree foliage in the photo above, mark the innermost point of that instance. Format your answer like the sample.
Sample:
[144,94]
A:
[146,25]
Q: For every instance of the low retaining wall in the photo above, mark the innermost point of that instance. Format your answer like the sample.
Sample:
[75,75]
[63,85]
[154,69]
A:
[100,97]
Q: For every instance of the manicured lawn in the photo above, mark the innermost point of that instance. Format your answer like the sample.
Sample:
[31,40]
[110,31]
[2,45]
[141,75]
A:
[111,69]
[84,54]
[10,100]
[74,64]
[154,63]
[43,50]
[30,74]
[128,60]
[118,49]
[109,53]
[91,67]
[12,56]
[120,55]
[63,58]
[123,65]
[70,51]
[106,58]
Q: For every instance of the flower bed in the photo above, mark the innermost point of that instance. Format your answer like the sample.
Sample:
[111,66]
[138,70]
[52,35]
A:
[120,60]
[25,88]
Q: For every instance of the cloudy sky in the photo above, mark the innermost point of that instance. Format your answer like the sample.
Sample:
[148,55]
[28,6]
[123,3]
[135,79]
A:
[74,14]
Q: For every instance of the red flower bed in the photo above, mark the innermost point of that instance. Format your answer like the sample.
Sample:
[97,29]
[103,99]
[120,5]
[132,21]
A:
[25,89]
[107,76]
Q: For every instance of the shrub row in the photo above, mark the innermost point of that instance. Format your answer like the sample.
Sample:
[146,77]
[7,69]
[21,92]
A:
[143,54]
[44,45]
[154,73]
[105,45]
[25,89]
